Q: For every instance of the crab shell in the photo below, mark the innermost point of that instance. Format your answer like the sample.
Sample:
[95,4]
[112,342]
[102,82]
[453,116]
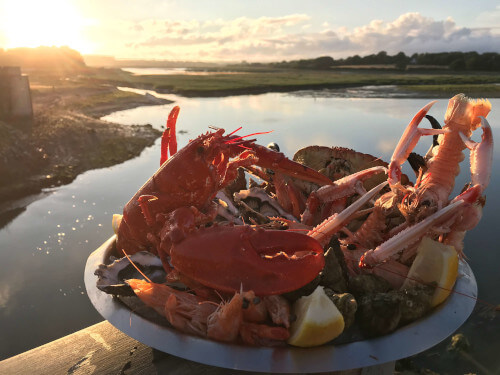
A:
[338,162]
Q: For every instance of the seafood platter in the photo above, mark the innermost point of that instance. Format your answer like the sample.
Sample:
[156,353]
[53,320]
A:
[236,256]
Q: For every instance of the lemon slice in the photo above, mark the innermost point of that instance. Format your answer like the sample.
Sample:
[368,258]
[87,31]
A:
[115,223]
[318,320]
[435,263]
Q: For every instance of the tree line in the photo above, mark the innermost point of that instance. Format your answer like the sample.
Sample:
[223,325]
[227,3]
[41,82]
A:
[489,61]
[65,59]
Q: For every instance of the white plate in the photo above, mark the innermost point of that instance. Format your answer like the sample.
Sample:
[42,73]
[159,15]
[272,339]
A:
[406,341]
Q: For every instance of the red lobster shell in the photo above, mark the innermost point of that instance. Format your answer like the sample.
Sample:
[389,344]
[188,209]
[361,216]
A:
[163,216]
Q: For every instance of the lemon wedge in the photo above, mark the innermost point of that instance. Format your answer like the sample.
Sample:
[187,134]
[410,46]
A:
[318,320]
[115,223]
[435,263]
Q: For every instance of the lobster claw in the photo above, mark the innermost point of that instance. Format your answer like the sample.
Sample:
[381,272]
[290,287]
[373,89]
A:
[231,258]
[278,161]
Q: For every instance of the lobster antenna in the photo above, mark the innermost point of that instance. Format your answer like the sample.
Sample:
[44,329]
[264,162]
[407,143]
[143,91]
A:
[234,131]
[245,136]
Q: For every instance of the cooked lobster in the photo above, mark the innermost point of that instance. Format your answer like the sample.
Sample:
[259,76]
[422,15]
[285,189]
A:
[169,212]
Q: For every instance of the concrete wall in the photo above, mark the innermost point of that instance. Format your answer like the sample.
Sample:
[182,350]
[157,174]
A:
[15,97]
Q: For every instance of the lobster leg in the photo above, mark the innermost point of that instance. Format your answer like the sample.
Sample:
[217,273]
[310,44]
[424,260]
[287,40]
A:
[407,143]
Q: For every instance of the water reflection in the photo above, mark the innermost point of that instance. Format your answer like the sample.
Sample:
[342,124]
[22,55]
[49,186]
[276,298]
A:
[43,250]
[171,71]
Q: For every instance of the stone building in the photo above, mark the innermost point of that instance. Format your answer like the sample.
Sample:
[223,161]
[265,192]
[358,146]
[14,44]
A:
[15,97]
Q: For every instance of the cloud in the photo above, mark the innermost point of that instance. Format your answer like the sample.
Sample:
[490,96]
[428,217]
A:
[412,32]
[490,18]
[297,36]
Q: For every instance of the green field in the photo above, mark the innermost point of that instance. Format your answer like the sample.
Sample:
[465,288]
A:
[280,80]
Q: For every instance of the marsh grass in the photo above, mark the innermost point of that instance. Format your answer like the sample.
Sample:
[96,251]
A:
[260,81]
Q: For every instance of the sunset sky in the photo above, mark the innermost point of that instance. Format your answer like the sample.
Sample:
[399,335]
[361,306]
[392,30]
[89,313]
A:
[221,30]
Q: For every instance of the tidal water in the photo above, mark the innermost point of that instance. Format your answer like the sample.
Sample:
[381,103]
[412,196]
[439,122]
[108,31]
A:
[171,71]
[44,249]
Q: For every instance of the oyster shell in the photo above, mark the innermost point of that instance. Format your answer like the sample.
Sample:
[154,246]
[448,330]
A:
[346,303]
[381,313]
[111,276]
[368,284]
[259,200]
[334,275]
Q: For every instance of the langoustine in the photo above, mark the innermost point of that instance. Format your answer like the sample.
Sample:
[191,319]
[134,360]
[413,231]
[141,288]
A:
[426,206]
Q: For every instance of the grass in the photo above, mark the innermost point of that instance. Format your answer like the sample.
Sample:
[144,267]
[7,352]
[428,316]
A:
[218,84]
[104,98]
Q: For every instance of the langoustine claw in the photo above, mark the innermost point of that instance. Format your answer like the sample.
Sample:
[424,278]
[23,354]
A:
[406,144]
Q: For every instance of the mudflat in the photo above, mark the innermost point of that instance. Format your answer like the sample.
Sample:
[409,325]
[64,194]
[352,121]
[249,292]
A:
[67,138]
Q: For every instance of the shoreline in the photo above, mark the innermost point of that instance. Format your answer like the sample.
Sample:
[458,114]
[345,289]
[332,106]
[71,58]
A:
[67,139]
[382,91]
[392,91]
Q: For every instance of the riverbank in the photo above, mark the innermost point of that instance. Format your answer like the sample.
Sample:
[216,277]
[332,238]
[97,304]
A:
[67,138]
[259,81]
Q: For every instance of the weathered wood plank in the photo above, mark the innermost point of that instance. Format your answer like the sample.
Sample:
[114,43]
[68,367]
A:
[102,349]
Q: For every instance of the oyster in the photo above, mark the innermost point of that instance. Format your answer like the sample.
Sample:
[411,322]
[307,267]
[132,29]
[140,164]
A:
[415,302]
[334,275]
[111,277]
[382,313]
[379,313]
[368,284]
[346,304]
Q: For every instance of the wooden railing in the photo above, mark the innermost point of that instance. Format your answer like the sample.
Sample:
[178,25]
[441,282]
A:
[103,349]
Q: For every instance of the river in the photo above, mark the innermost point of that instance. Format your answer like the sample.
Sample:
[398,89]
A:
[43,250]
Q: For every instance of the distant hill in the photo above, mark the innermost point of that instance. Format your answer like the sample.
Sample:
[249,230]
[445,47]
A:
[53,59]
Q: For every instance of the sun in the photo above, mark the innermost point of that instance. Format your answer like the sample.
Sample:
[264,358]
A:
[33,23]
